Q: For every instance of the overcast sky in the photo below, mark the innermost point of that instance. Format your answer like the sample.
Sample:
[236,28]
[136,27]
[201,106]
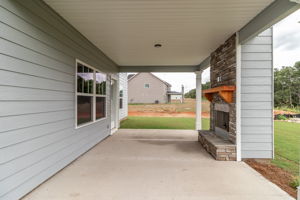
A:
[286,53]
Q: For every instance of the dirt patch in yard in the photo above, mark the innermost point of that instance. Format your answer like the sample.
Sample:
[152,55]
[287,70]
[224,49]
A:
[276,175]
[174,109]
[283,112]
[166,114]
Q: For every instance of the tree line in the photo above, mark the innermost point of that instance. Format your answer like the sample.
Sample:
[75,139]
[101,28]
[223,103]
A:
[192,92]
[287,86]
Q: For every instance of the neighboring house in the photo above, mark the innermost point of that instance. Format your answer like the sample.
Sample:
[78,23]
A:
[175,96]
[148,88]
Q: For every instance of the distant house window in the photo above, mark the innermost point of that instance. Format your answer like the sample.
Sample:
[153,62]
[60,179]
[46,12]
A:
[121,97]
[90,94]
[147,85]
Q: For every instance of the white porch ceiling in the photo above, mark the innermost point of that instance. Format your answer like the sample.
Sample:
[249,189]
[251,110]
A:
[189,30]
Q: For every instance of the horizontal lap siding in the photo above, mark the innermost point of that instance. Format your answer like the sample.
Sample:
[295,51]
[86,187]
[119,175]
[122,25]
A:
[257,97]
[37,92]
[123,113]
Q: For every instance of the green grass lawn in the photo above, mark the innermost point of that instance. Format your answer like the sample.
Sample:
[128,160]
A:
[287,146]
[162,123]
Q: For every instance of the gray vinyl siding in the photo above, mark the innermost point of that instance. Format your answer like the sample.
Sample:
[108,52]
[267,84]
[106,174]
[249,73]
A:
[123,113]
[38,50]
[257,97]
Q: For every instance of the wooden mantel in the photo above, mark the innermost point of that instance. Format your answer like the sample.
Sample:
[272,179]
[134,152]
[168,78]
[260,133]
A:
[225,92]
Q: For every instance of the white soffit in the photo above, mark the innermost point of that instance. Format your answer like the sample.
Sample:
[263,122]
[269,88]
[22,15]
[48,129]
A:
[189,30]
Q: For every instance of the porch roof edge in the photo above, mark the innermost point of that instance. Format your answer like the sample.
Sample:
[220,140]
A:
[163,68]
[272,14]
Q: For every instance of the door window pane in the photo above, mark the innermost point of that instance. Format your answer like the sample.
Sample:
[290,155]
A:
[100,107]
[84,109]
[121,103]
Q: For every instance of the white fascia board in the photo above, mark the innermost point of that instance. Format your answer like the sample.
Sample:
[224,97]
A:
[276,11]
[204,64]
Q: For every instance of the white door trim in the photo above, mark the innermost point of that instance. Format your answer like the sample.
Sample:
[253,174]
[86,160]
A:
[116,104]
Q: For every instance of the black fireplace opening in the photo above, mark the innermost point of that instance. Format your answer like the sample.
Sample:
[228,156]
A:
[222,120]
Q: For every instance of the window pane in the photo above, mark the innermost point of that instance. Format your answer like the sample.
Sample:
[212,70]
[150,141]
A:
[85,78]
[121,91]
[80,81]
[121,103]
[84,109]
[100,83]
[100,107]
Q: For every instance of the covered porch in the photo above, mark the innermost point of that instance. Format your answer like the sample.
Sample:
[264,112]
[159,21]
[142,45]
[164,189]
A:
[155,164]
[47,46]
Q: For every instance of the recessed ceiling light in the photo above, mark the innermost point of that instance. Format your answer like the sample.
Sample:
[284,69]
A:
[157,45]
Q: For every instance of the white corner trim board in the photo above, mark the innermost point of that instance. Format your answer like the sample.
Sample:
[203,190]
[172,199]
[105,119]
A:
[238,98]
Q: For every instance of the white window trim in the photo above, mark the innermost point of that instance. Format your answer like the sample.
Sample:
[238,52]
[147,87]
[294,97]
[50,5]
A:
[94,95]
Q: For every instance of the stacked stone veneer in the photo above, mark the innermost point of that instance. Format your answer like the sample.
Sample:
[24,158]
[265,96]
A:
[223,65]
[218,148]
[222,72]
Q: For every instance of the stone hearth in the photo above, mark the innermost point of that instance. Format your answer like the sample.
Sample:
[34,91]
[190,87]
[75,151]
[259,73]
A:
[219,148]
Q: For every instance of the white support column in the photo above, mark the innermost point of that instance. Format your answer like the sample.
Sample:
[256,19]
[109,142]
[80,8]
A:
[198,100]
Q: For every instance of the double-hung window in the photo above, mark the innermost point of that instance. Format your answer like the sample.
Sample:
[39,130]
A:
[90,94]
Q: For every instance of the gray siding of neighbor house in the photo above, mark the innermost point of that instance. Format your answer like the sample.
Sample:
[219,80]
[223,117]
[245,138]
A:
[37,94]
[257,97]
[123,113]
[137,93]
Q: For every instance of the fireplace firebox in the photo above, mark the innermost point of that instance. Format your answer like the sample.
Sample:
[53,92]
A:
[222,120]
[222,124]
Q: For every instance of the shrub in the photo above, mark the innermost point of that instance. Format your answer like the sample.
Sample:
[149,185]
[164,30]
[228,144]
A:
[281,117]
[295,183]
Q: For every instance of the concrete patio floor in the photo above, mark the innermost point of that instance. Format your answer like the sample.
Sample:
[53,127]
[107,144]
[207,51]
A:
[155,164]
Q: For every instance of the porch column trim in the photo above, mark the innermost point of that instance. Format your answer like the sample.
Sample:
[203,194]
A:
[198,100]
[238,99]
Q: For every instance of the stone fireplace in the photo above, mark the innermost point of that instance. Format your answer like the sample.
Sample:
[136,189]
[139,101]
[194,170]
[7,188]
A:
[220,140]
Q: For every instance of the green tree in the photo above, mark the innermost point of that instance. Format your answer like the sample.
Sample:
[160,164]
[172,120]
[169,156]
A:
[287,86]
[191,94]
